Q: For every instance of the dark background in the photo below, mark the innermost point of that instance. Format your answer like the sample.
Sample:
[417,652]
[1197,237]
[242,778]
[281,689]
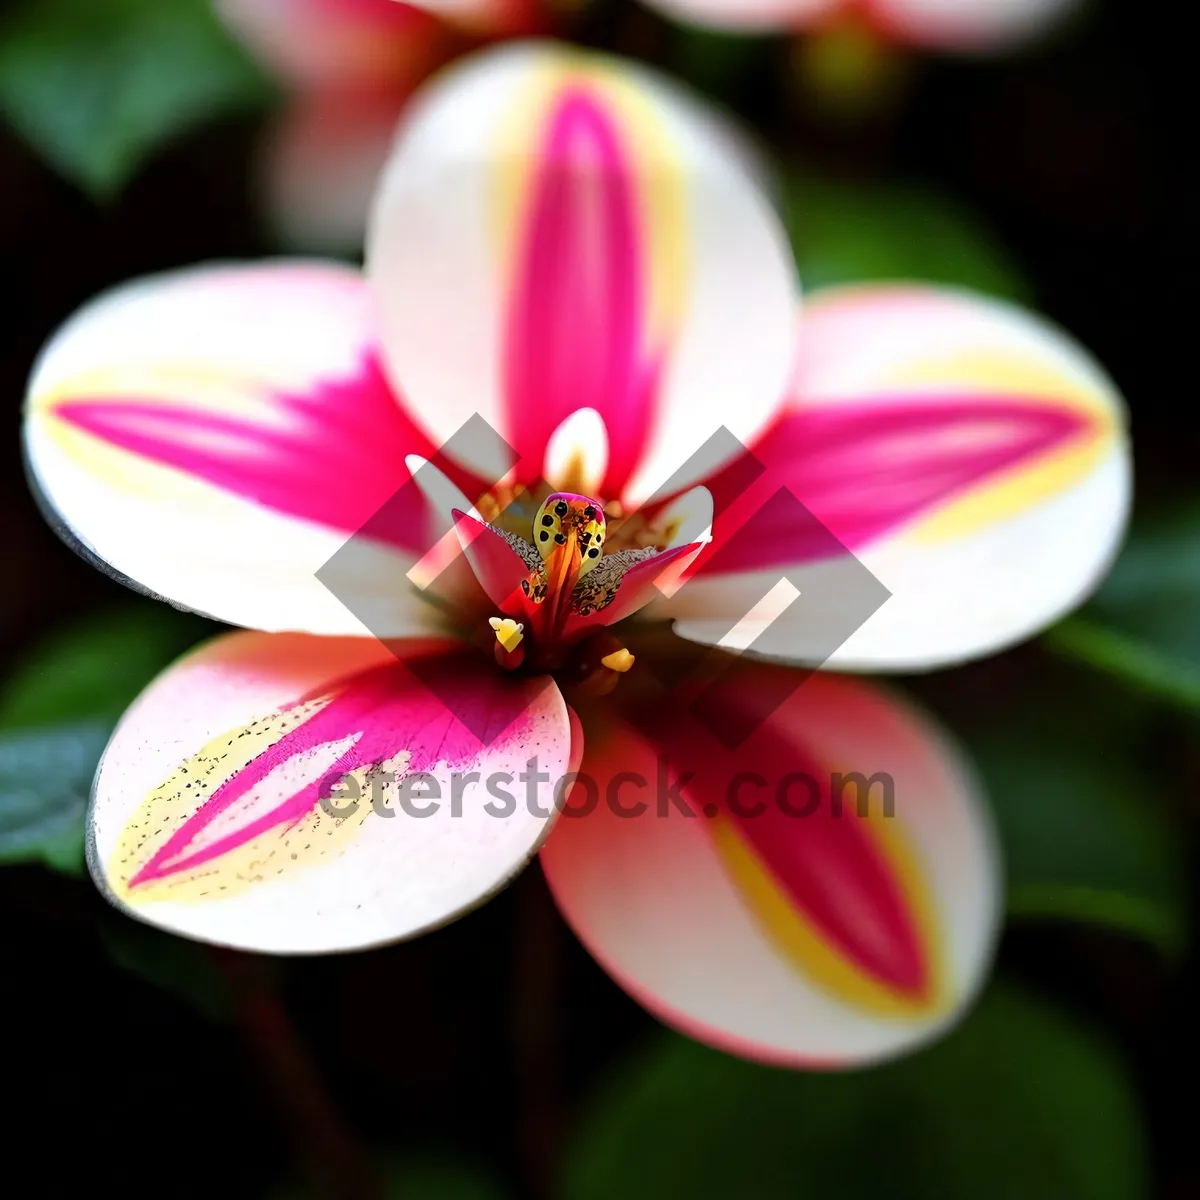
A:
[484,1039]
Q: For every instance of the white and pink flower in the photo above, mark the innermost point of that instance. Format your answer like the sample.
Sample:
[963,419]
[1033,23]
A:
[964,26]
[565,247]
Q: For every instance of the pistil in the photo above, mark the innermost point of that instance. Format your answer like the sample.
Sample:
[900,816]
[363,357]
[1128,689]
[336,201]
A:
[569,532]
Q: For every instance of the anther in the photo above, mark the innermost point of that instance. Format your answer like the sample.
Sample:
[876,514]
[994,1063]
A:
[619,661]
[508,651]
[596,673]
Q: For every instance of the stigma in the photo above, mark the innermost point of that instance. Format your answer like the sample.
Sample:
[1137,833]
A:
[554,580]
[569,533]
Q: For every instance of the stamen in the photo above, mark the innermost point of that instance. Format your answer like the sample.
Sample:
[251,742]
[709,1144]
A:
[619,661]
[558,577]
[598,666]
[510,634]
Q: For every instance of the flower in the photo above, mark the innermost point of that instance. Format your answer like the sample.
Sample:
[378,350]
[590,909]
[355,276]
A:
[565,251]
[966,26]
[351,66]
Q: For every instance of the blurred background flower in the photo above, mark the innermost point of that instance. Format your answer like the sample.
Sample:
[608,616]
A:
[349,67]
[854,58]
[963,26]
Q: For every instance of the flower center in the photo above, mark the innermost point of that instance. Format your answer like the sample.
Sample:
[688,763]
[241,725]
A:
[560,589]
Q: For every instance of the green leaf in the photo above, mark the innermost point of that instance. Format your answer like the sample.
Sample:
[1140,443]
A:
[846,233]
[436,1179]
[423,1178]
[1086,831]
[56,718]
[1019,1103]
[718,61]
[97,667]
[45,782]
[1142,626]
[96,85]
[183,968]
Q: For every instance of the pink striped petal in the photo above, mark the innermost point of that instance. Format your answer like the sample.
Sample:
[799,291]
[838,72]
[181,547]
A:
[321,42]
[972,457]
[216,435]
[497,562]
[558,232]
[225,807]
[758,907]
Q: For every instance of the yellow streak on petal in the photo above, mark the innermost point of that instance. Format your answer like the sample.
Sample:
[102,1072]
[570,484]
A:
[1028,485]
[208,385]
[805,947]
[315,838]
[134,475]
[1016,492]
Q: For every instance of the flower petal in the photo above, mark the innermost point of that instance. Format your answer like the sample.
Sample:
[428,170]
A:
[961,25]
[492,17]
[319,42]
[501,562]
[610,593]
[748,14]
[776,921]
[216,435]
[559,232]
[207,816]
[978,26]
[971,457]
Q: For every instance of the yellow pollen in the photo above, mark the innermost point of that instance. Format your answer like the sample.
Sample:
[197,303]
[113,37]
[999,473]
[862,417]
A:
[619,661]
[508,633]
